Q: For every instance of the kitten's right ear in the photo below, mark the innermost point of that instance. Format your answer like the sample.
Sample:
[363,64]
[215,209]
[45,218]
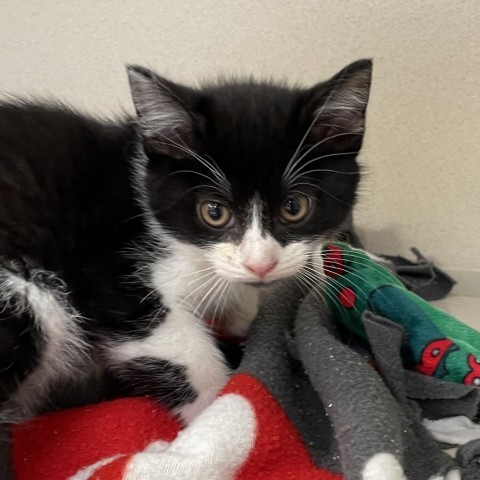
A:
[166,122]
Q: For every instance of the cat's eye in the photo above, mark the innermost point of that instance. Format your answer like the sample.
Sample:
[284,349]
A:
[215,214]
[295,208]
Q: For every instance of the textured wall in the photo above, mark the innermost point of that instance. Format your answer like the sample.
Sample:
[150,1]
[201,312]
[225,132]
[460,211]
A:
[421,152]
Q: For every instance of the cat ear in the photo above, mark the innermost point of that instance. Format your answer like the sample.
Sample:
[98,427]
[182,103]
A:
[166,122]
[338,106]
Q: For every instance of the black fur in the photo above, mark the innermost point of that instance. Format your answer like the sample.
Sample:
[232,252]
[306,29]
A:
[19,347]
[156,378]
[68,204]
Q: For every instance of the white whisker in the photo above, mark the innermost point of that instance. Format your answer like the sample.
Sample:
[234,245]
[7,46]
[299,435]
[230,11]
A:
[289,166]
[218,282]
[198,271]
[318,187]
[219,177]
[212,277]
[216,185]
[219,294]
[292,174]
[215,171]
[327,170]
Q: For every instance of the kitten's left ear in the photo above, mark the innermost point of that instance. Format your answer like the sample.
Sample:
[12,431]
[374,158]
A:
[338,106]
[167,123]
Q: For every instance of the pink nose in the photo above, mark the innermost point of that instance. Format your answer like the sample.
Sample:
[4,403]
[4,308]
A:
[261,269]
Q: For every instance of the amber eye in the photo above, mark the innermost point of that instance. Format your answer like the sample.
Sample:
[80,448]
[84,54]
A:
[295,208]
[215,214]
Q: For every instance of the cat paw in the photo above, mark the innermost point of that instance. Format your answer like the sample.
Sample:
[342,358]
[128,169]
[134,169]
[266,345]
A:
[190,411]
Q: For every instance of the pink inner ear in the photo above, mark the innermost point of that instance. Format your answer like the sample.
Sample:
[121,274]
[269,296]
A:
[338,129]
[339,106]
[166,121]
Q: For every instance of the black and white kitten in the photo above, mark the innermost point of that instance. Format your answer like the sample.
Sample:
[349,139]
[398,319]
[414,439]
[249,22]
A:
[217,191]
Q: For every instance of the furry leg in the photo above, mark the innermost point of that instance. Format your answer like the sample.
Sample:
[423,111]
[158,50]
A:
[41,338]
[178,363]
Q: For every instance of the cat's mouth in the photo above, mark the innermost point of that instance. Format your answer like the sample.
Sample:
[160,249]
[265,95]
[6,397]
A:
[261,283]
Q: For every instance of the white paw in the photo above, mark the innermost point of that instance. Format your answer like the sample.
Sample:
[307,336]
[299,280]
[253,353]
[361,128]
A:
[190,411]
[383,466]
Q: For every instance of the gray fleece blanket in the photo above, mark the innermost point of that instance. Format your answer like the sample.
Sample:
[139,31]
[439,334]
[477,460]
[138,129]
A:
[307,402]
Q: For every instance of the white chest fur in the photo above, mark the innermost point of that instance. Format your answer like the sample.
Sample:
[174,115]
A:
[186,279]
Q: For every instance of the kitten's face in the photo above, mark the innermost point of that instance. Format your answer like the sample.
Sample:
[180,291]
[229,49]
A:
[247,177]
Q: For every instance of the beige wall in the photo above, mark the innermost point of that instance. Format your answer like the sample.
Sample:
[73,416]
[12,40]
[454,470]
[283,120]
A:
[422,148]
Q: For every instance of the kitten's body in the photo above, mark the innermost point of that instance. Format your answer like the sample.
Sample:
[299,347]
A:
[107,258]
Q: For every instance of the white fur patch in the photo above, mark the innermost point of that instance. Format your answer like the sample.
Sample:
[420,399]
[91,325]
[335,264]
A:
[189,279]
[213,447]
[183,340]
[383,466]
[64,345]
[258,250]
[214,281]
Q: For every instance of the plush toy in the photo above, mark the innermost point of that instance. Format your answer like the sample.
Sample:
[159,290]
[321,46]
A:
[436,343]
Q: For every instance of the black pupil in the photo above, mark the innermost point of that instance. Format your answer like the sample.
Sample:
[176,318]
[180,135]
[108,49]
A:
[292,206]
[215,211]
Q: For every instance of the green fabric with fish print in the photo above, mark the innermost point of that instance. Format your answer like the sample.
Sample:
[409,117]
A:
[437,344]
